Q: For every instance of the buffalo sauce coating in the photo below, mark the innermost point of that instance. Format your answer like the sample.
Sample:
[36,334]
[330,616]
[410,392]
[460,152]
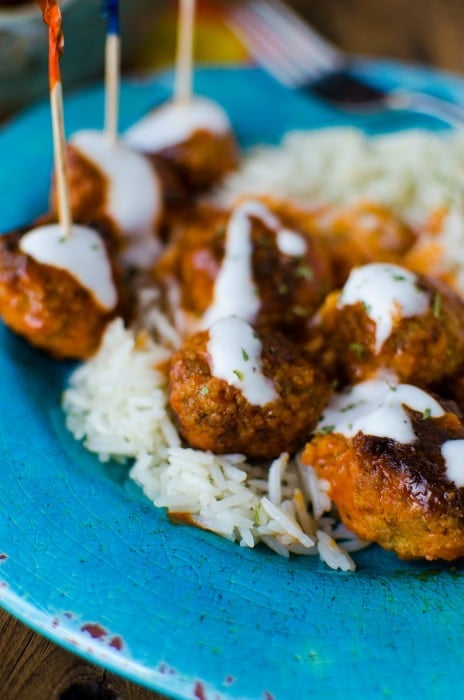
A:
[388,292]
[175,123]
[391,458]
[82,254]
[235,292]
[134,200]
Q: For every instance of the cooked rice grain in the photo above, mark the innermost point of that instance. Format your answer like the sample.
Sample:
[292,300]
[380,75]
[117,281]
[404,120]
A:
[117,403]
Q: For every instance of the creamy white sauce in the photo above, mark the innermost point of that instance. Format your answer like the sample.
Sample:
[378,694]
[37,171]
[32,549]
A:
[376,408]
[388,293]
[453,454]
[82,255]
[235,292]
[291,243]
[134,192]
[175,123]
[235,356]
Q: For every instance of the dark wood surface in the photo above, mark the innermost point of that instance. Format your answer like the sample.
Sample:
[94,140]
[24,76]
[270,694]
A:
[32,668]
[429,31]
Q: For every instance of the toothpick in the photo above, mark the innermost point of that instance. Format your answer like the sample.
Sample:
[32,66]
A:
[184,59]
[60,158]
[52,17]
[112,70]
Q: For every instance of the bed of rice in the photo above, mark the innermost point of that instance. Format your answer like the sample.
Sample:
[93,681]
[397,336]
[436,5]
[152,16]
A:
[117,402]
[413,173]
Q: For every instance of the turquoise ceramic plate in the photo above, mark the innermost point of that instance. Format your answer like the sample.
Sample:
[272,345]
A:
[87,561]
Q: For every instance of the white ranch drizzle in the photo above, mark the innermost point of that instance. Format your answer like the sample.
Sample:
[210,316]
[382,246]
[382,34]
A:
[235,356]
[82,254]
[291,243]
[134,193]
[176,122]
[388,292]
[453,454]
[376,407]
[235,293]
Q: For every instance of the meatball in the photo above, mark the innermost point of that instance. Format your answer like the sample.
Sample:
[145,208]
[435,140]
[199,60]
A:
[194,139]
[202,161]
[275,256]
[389,318]
[49,306]
[364,233]
[403,491]
[234,391]
[116,189]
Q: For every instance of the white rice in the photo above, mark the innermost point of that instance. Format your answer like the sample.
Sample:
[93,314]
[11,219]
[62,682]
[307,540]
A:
[117,402]
[412,173]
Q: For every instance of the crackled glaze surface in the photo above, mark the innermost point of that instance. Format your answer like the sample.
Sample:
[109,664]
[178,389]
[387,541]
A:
[87,561]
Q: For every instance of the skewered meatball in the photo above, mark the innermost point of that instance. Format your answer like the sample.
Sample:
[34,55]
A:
[388,317]
[260,262]
[117,189]
[232,391]
[365,233]
[58,293]
[392,455]
[195,138]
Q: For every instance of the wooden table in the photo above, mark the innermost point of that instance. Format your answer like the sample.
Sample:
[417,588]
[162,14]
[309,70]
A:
[32,668]
[429,31]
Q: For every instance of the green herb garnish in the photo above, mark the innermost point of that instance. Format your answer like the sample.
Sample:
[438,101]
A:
[437,306]
[367,307]
[358,349]
[305,272]
[325,430]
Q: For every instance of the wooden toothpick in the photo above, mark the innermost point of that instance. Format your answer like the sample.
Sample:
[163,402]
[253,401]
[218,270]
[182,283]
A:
[52,17]
[112,70]
[184,59]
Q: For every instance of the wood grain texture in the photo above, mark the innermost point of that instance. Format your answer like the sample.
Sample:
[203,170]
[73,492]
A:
[32,668]
[428,31]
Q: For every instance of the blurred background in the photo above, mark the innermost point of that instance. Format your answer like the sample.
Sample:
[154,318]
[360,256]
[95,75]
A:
[426,31]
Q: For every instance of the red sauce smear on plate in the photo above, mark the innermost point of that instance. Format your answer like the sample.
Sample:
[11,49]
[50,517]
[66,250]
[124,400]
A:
[96,631]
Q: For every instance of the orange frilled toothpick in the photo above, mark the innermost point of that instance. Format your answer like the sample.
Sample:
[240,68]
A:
[184,59]
[51,14]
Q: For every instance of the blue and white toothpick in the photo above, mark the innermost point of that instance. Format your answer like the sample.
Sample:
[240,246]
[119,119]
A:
[112,69]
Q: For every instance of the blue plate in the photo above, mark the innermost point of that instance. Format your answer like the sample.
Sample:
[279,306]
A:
[88,562]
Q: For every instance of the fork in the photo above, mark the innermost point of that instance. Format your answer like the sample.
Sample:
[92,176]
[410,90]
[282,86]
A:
[300,58]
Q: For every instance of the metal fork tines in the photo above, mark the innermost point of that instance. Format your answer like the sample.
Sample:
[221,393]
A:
[300,58]
[283,43]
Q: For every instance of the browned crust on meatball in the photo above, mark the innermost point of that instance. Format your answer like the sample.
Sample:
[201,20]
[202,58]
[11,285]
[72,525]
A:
[290,288]
[213,415]
[422,350]
[366,232]
[88,189]
[47,306]
[203,160]
[396,494]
